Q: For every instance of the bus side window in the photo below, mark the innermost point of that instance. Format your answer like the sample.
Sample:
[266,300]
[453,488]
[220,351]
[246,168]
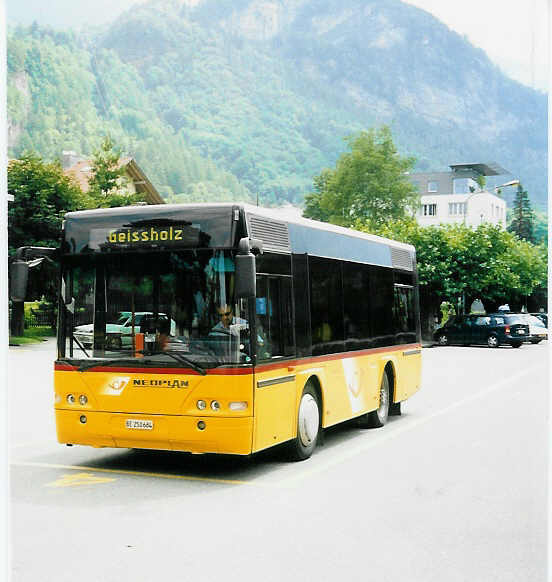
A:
[274,317]
[326,305]
[403,314]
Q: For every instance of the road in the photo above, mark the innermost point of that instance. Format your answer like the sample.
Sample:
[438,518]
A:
[453,490]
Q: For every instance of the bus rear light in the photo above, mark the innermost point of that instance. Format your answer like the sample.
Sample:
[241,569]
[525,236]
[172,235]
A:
[201,404]
[215,405]
[70,399]
[237,405]
[83,400]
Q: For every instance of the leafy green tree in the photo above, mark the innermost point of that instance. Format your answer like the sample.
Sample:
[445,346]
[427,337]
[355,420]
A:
[540,227]
[522,216]
[42,195]
[458,264]
[368,184]
[107,174]
[108,181]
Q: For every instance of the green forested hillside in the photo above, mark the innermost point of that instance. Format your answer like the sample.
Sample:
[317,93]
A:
[247,98]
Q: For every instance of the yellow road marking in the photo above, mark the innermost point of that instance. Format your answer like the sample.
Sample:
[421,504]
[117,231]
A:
[137,473]
[75,479]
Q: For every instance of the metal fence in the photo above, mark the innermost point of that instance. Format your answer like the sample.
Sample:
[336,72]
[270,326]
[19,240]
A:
[40,318]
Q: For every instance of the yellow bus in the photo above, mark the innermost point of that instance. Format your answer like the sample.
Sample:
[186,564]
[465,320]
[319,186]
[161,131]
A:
[223,328]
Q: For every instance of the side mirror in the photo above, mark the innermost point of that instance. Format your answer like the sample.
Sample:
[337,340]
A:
[18,281]
[246,282]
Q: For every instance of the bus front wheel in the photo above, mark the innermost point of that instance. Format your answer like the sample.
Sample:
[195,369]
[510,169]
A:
[308,425]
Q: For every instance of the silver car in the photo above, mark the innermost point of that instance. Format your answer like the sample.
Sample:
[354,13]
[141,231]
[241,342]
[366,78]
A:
[119,333]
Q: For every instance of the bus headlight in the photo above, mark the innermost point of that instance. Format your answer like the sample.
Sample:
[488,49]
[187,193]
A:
[201,404]
[83,400]
[215,405]
[237,405]
[70,399]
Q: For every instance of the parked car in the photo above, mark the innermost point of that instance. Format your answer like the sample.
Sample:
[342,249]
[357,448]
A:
[119,332]
[537,329]
[493,329]
[542,316]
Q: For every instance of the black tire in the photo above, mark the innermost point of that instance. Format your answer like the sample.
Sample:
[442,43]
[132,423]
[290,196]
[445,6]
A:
[535,342]
[442,339]
[516,344]
[308,425]
[378,418]
[493,341]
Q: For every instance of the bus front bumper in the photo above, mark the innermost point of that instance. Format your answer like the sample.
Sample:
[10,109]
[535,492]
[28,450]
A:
[150,431]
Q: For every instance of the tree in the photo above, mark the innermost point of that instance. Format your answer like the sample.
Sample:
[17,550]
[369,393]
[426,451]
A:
[369,184]
[458,264]
[42,195]
[540,227]
[522,216]
[108,181]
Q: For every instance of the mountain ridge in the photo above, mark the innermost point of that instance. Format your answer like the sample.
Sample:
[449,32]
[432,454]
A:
[268,90]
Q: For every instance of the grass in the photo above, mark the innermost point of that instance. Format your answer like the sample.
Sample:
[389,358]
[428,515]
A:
[32,335]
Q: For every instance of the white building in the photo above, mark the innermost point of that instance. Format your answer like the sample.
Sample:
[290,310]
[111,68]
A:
[456,197]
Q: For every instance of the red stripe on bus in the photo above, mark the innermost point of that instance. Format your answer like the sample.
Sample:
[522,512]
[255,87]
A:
[143,370]
[243,371]
[331,357]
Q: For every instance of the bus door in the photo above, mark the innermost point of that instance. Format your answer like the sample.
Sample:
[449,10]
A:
[404,321]
[275,383]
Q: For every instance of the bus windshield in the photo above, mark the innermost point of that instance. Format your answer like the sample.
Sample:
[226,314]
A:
[163,307]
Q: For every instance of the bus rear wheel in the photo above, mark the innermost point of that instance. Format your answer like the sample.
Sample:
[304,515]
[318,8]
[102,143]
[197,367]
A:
[308,425]
[377,418]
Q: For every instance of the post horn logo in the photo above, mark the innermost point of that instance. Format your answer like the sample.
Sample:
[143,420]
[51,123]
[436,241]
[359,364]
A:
[117,384]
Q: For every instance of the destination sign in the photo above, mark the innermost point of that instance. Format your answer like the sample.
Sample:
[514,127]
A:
[144,228]
[151,235]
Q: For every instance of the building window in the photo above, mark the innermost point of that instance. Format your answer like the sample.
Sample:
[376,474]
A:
[457,208]
[464,186]
[432,186]
[429,209]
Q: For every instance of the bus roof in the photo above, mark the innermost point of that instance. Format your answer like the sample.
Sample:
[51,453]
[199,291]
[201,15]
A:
[280,231]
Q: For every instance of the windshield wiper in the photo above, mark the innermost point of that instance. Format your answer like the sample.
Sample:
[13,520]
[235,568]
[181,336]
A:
[175,356]
[88,365]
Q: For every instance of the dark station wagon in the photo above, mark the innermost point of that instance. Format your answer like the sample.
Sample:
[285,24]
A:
[492,329]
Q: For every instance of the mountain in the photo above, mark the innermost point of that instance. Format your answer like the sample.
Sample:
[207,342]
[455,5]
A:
[245,98]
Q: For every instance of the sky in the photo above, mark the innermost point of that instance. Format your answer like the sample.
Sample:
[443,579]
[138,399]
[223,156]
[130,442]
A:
[514,33]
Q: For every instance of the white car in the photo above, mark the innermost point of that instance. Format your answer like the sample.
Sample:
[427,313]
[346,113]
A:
[537,329]
[119,334]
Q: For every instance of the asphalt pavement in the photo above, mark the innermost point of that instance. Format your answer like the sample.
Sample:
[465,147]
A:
[453,490]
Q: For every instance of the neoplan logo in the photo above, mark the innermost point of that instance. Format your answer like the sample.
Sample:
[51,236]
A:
[171,383]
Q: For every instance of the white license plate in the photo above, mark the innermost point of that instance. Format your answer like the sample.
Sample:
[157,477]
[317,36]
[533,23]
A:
[521,331]
[139,424]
